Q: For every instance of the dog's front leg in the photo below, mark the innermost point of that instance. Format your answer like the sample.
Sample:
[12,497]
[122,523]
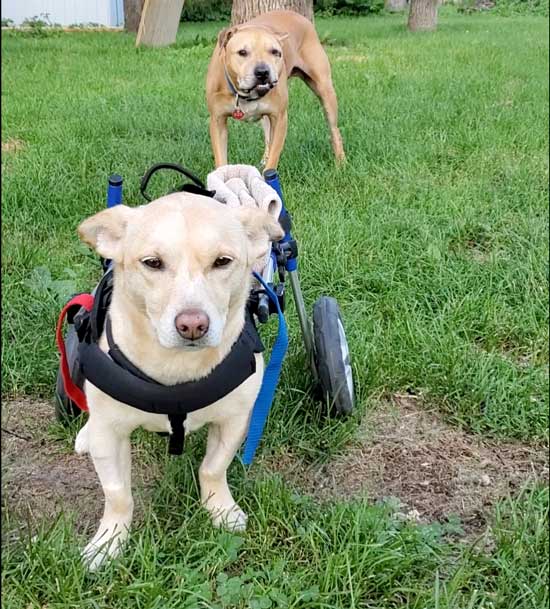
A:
[224,440]
[266,124]
[279,124]
[218,137]
[110,450]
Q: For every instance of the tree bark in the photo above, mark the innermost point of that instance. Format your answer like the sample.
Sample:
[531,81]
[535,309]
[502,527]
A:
[423,15]
[244,10]
[132,14]
[394,6]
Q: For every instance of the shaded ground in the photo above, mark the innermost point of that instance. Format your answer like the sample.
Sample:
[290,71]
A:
[435,470]
[404,452]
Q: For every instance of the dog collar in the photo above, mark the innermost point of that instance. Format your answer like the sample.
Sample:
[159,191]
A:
[232,87]
[237,113]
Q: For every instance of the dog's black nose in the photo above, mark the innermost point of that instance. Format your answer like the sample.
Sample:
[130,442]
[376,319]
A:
[261,72]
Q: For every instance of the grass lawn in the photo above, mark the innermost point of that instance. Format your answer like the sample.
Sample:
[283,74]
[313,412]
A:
[434,239]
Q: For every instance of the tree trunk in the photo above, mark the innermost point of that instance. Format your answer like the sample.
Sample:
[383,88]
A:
[132,14]
[244,10]
[423,15]
[395,6]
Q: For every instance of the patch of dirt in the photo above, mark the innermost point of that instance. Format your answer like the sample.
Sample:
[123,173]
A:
[13,145]
[435,470]
[404,451]
[42,476]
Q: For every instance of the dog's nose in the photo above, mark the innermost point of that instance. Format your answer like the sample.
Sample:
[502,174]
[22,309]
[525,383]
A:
[261,72]
[192,324]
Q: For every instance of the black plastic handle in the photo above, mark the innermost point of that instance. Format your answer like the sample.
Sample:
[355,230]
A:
[172,166]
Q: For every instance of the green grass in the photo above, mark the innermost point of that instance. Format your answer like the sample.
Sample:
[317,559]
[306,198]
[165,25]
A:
[433,238]
[295,554]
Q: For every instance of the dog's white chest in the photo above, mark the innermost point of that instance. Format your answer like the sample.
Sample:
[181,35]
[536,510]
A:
[253,110]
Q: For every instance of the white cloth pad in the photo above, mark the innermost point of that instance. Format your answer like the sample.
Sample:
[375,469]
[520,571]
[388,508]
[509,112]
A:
[237,185]
[243,185]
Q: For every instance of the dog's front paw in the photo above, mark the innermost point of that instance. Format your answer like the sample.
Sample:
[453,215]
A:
[81,444]
[233,519]
[106,544]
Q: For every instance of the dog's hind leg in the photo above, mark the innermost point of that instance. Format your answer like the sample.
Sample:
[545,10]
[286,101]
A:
[224,440]
[110,450]
[318,79]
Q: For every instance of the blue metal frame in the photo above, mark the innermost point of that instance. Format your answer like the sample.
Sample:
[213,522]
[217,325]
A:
[272,178]
[114,190]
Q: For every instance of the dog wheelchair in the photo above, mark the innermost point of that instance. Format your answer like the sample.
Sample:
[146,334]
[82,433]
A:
[323,335]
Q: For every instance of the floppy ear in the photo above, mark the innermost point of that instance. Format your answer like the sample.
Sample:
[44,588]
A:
[224,36]
[104,231]
[261,229]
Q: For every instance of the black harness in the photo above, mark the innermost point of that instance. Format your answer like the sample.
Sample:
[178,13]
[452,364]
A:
[118,377]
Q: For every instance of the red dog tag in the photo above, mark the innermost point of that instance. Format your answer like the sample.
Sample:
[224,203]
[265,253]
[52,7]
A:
[238,114]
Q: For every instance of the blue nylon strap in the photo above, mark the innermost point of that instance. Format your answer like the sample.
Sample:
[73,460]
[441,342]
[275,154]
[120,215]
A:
[269,382]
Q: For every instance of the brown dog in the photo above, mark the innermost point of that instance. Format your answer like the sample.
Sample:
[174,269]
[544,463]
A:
[247,79]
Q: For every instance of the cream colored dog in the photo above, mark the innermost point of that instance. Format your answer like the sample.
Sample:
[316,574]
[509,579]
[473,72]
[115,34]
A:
[247,79]
[181,258]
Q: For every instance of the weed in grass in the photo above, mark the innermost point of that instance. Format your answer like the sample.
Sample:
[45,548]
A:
[39,26]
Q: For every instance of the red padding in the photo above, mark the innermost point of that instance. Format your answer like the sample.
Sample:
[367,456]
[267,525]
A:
[73,392]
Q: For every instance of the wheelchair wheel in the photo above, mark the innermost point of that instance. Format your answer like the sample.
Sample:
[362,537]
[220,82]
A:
[332,356]
[65,409]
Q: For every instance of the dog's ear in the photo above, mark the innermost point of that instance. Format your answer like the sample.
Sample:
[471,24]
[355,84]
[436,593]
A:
[104,231]
[261,229]
[281,36]
[224,36]
[259,224]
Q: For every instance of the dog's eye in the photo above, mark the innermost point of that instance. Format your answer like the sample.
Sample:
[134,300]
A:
[243,52]
[222,261]
[152,262]
[276,52]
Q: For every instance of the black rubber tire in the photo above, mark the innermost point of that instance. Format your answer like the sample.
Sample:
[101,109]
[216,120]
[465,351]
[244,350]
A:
[330,344]
[65,409]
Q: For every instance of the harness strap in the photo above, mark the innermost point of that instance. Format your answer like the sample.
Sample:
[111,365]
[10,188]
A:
[116,354]
[264,400]
[73,391]
[177,438]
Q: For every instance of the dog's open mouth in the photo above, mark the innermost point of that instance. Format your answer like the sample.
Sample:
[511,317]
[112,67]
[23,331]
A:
[261,89]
